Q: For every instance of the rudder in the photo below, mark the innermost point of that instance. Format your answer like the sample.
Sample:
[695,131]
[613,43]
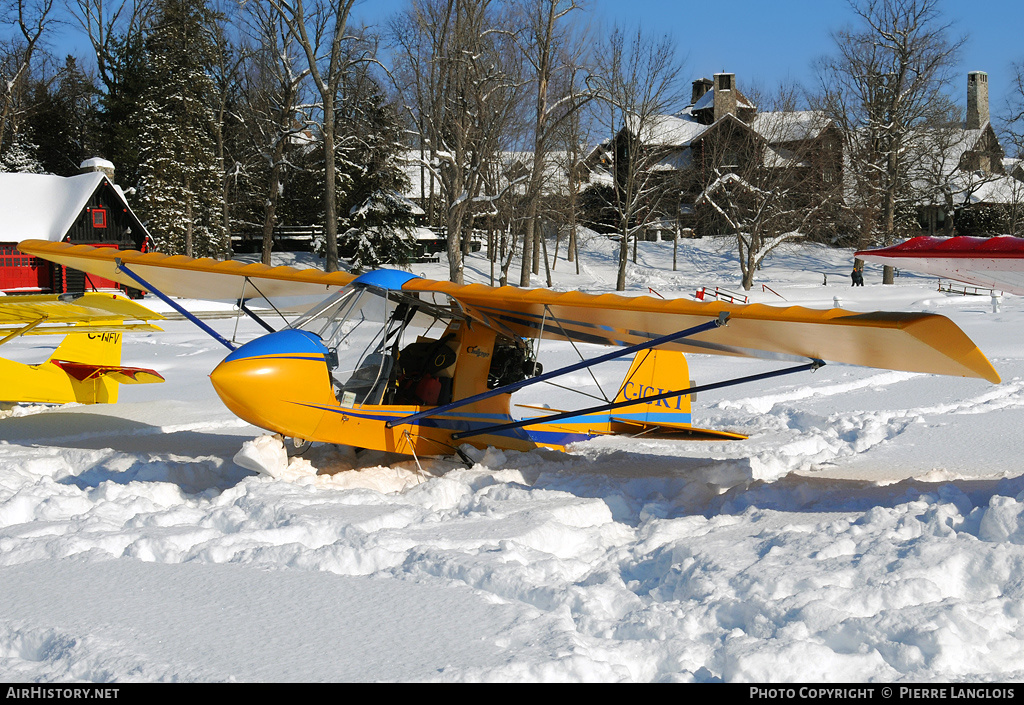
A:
[94,348]
[655,372]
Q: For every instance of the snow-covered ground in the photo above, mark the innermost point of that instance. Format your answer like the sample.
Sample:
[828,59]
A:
[871,529]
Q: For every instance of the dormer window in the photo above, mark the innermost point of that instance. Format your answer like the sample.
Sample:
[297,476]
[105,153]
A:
[99,217]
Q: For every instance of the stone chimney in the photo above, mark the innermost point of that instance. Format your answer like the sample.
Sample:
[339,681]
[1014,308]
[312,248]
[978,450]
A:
[98,164]
[700,87]
[725,94]
[977,100]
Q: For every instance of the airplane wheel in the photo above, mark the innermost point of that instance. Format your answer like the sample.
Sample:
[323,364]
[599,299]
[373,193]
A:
[296,446]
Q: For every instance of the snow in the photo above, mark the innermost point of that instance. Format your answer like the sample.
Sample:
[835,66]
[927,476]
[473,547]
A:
[60,201]
[870,530]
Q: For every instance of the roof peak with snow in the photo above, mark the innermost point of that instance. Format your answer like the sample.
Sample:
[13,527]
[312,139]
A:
[44,206]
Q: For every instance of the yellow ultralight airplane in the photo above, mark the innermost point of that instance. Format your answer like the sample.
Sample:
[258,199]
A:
[390,361]
[86,366]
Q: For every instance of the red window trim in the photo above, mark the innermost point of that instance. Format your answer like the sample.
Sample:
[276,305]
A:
[100,222]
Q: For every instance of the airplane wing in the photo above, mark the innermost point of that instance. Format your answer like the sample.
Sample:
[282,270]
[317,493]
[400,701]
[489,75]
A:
[186,277]
[914,342]
[93,312]
[990,262]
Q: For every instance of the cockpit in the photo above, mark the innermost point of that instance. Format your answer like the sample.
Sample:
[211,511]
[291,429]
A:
[388,346]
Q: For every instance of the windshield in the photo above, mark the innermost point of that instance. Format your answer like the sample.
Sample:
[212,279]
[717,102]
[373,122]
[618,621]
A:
[364,327]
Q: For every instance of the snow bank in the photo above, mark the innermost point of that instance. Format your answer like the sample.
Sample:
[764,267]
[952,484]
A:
[870,529]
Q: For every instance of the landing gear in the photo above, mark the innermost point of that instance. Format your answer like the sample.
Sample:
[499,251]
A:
[296,446]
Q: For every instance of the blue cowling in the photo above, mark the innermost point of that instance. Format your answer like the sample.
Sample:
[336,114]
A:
[289,341]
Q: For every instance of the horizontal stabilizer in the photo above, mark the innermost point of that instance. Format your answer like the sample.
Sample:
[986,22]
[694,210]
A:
[671,431]
[125,375]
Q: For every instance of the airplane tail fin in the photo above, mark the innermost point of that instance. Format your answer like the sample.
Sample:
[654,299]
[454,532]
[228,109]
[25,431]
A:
[656,372]
[91,348]
[92,363]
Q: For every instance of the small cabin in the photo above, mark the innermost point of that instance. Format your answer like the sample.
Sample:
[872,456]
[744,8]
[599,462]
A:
[87,209]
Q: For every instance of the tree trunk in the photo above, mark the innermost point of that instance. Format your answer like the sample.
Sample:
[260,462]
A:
[620,280]
[454,245]
[538,238]
[330,191]
[270,213]
[528,249]
[675,247]
[490,251]
[547,269]
[188,227]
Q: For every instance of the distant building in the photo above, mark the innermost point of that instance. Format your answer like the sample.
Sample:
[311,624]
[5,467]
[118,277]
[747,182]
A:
[722,132]
[966,180]
[87,209]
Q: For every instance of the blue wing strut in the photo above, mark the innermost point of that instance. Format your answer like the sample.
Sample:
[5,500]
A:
[174,304]
[509,388]
[813,365]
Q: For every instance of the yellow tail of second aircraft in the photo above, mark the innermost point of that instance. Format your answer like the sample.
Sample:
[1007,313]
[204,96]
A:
[85,368]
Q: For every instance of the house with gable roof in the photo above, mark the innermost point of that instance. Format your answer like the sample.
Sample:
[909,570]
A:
[86,209]
[965,180]
[722,132]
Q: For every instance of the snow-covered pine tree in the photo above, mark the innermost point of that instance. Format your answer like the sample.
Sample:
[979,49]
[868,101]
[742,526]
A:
[378,222]
[381,231]
[125,80]
[180,194]
[20,157]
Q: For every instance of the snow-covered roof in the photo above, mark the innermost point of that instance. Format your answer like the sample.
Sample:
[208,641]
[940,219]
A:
[43,206]
[790,126]
[672,130]
[990,188]
[513,166]
[708,101]
[681,129]
[954,143]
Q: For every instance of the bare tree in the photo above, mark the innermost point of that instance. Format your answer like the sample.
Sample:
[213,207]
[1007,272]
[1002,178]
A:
[227,60]
[104,23]
[31,18]
[554,52]
[948,173]
[322,33]
[638,79]
[274,101]
[571,141]
[1014,109]
[770,183]
[460,92]
[1013,132]
[882,86]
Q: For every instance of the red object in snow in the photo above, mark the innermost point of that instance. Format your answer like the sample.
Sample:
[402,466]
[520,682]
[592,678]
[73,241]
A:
[990,262]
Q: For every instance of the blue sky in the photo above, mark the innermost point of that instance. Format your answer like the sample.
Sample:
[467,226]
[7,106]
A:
[771,41]
[766,42]
[776,40]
